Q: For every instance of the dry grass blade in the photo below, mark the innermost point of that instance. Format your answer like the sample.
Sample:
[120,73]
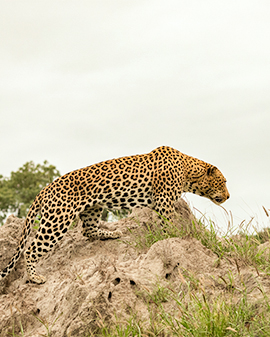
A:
[231,329]
[267,214]
[237,266]
[182,277]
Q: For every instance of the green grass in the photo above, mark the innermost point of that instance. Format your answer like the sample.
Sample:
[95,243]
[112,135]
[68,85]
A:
[152,233]
[193,315]
[13,334]
[220,317]
[47,325]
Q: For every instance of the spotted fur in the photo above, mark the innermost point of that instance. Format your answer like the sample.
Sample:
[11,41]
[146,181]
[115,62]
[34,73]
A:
[155,180]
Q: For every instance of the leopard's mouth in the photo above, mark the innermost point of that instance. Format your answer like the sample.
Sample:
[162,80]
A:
[218,200]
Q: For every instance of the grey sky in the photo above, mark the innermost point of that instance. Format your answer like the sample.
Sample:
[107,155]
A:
[85,81]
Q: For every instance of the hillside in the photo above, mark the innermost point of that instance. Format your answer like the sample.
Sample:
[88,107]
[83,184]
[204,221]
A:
[183,282]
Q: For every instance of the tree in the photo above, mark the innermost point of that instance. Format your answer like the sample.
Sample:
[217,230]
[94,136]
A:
[19,191]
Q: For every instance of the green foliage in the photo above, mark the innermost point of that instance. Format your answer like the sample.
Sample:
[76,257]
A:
[19,190]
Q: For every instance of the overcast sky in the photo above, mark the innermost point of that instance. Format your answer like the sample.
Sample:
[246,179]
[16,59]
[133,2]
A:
[86,81]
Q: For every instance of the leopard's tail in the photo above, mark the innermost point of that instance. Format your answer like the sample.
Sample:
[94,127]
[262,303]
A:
[29,221]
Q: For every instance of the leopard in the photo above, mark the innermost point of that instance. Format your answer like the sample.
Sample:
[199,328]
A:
[155,180]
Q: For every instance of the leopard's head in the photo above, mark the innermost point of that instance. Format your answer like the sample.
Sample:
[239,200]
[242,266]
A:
[212,185]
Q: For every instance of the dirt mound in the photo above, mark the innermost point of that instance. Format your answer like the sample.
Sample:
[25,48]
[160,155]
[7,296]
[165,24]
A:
[92,282]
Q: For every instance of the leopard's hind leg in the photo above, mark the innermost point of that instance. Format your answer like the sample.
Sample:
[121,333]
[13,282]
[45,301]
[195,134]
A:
[48,234]
[90,218]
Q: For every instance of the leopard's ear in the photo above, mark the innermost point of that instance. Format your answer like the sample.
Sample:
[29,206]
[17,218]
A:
[211,170]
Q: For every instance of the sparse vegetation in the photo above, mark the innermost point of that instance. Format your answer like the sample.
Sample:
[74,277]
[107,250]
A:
[193,314]
[47,325]
[152,233]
